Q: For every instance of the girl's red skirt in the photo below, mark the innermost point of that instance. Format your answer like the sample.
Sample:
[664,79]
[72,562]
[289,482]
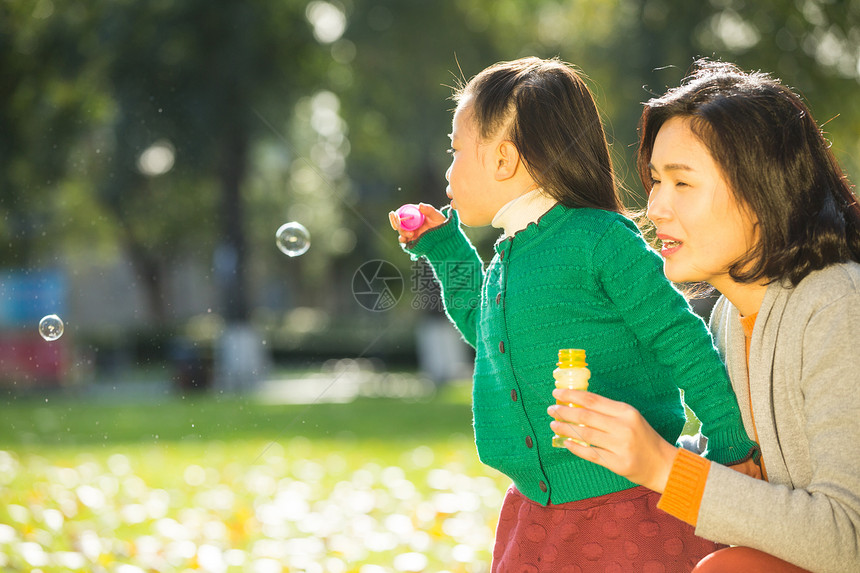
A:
[618,532]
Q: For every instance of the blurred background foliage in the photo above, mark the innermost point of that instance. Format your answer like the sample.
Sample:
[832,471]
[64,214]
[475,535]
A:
[174,137]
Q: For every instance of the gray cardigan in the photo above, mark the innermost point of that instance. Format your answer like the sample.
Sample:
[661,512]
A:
[804,385]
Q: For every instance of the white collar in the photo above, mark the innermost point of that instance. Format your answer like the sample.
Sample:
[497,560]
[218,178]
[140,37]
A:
[530,207]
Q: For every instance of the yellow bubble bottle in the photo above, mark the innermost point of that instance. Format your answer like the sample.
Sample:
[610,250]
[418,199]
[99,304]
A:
[572,373]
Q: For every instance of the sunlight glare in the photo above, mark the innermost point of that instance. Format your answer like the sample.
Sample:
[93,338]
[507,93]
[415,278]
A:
[328,20]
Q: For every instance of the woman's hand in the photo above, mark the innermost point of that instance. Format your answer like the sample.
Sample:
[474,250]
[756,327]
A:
[621,440]
[432,218]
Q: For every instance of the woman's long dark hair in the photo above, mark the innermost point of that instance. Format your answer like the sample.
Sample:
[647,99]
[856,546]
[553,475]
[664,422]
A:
[778,165]
[550,115]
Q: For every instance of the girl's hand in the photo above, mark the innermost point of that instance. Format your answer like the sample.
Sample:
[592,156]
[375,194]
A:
[621,440]
[749,468]
[432,218]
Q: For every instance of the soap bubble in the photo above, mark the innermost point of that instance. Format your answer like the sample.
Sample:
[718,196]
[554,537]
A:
[51,327]
[293,239]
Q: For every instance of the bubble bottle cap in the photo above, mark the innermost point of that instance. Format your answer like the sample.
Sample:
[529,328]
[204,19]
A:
[409,217]
[571,358]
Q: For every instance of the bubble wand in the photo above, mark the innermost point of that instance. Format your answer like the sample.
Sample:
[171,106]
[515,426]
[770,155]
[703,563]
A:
[408,217]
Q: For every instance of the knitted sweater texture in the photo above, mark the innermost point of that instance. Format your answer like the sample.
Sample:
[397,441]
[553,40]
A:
[579,278]
[802,386]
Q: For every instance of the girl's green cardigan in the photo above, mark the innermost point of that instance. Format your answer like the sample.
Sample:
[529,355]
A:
[579,278]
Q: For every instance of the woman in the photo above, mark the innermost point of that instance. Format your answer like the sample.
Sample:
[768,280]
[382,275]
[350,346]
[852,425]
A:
[746,196]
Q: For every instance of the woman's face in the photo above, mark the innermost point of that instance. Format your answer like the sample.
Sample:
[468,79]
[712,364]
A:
[702,227]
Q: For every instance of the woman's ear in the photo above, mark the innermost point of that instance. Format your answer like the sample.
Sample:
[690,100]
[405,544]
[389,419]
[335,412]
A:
[507,160]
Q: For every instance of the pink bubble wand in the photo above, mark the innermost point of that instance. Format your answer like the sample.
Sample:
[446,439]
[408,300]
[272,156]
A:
[408,217]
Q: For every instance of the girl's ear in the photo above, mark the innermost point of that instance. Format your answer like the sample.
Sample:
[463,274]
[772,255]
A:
[507,160]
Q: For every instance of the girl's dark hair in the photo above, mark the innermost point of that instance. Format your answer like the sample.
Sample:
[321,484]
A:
[776,161]
[548,112]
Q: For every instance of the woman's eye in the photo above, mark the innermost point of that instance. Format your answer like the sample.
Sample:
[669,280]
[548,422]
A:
[450,151]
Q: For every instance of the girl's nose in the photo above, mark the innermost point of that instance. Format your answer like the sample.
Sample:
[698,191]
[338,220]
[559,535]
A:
[448,174]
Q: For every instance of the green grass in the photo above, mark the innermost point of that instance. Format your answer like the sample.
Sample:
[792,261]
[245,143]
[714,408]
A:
[68,423]
[229,484]
[208,483]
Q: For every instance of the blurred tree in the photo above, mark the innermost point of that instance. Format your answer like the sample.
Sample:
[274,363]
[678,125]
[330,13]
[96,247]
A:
[639,48]
[141,122]
[812,45]
[50,97]
[155,106]
[405,57]
[187,78]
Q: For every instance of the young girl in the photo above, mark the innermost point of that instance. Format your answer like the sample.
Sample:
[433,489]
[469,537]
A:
[746,196]
[530,157]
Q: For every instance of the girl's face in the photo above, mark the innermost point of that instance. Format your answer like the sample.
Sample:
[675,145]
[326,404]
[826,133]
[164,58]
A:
[702,227]
[471,180]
